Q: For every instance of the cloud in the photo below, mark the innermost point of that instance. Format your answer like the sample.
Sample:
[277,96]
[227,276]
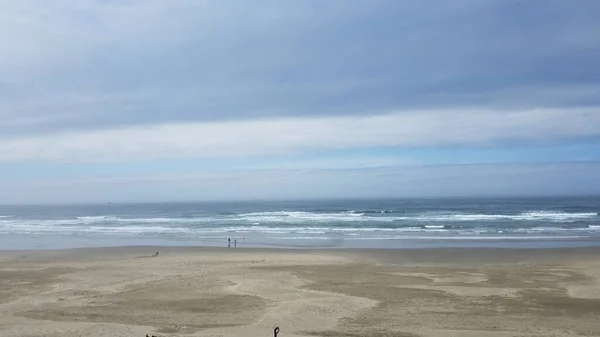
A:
[432,128]
[243,84]
[72,65]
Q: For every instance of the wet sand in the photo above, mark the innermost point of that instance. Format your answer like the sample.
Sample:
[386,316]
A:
[127,291]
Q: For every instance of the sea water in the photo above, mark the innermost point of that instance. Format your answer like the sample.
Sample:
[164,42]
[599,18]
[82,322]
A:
[405,223]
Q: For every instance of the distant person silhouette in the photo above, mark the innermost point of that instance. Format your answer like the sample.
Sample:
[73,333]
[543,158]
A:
[228,242]
[235,243]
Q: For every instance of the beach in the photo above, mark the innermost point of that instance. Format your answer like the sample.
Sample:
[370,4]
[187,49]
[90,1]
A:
[186,291]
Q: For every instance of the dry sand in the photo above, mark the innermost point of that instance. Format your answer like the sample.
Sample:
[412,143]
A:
[236,292]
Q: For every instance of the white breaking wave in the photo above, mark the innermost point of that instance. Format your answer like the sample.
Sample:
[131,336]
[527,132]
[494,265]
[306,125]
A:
[533,215]
[287,217]
[97,218]
[558,215]
[349,224]
[115,219]
[61,229]
[254,229]
[259,232]
[434,217]
[302,216]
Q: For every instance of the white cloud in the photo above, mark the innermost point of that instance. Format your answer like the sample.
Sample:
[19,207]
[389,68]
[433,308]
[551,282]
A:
[297,135]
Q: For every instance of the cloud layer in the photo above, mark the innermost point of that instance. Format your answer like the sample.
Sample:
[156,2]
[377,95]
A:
[71,65]
[297,135]
[92,89]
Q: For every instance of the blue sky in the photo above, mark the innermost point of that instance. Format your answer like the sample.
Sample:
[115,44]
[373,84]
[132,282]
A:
[204,100]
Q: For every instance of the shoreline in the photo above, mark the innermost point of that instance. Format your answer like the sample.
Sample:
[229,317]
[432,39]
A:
[190,248]
[452,255]
[26,242]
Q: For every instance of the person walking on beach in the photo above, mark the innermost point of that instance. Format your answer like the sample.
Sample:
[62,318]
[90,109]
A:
[228,242]
[235,243]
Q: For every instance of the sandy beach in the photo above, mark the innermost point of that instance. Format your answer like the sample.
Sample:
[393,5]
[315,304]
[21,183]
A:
[242,292]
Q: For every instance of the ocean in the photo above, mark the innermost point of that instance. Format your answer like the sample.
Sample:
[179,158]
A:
[409,223]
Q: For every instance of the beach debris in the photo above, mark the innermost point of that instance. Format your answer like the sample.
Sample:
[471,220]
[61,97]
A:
[155,255]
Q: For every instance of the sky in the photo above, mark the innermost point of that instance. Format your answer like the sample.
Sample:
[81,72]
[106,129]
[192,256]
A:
[181,100]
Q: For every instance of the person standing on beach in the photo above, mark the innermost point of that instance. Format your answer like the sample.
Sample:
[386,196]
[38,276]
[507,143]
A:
[228,242]
[235,243]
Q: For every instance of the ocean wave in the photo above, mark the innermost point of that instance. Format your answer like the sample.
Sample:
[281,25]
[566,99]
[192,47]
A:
[366,216]
[117,219]
[557,215]
[254,229]
[282,216]
[373,211]
[431,238]
[301,214]
[333,220]
[525,216]
[261,232]
[434,226]
[474,238]
[305,223]
[370,216]
[106,220]
[97,218]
